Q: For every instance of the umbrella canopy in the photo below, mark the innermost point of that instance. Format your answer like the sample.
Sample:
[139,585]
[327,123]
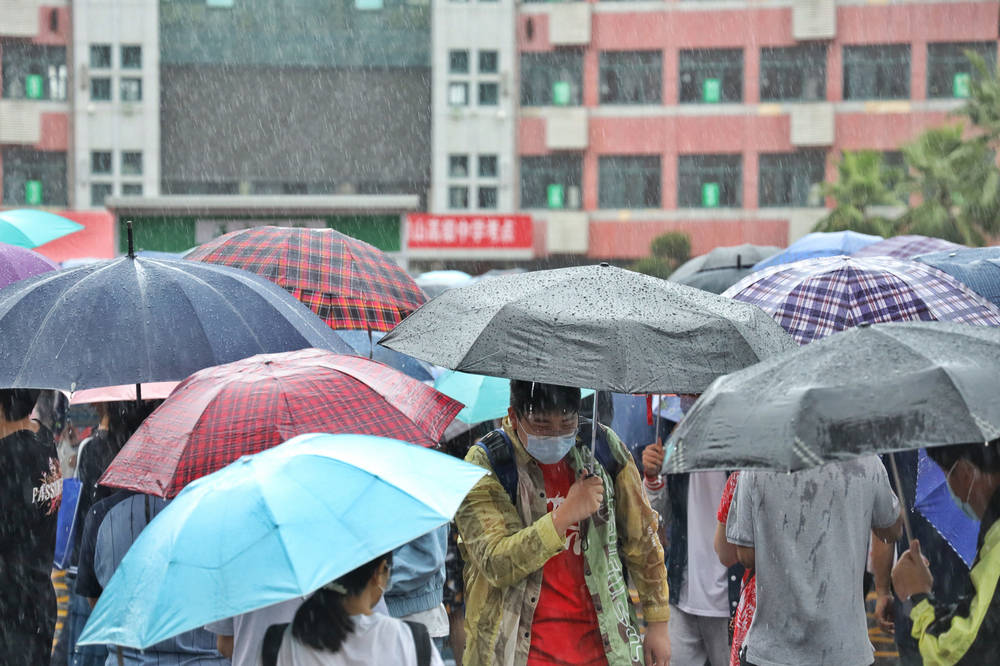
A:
[596,326]
[27,227]
[274,526]
[820,244]
[868,390]
[363,343]
[935,503]
[485,398]
[221,413]
[906,247]
[722,267]
[811,299]
[435,283]
[977,268]
[18,263]
[132,320]
[153,391]
[348,283]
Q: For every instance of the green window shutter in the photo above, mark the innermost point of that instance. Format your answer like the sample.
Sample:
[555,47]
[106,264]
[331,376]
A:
[33,86]
[711,91]
[561,93]
[710,195]
[33,192]
[960,84]
[556,196]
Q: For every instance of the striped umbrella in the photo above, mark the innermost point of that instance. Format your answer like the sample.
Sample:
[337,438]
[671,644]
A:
[906,247]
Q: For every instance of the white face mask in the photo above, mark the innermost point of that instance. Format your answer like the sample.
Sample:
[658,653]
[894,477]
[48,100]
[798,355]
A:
[549,449]
[962,504]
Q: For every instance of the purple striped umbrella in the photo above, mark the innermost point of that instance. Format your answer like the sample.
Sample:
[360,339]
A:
[813,298]
[907,247]
[18,263]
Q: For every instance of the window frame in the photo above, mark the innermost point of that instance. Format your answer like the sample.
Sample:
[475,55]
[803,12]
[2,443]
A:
[795,61]
[859,57]
[939,63]
[638,82]
[720,164]
[790,167]
[541,71]
[724,65]
[565,169]
[122,59]
[618,176]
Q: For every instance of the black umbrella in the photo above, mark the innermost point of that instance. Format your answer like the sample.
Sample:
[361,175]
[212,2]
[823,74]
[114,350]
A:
[722,267]
[868,390]
[135,319]
[598,327]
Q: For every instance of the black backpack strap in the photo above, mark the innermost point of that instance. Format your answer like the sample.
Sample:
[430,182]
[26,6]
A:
[603,451]
[421,641]
[272,644]
[500,453]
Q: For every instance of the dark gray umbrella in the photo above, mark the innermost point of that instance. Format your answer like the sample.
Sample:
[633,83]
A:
[723,267]
[598,327]
[867,390]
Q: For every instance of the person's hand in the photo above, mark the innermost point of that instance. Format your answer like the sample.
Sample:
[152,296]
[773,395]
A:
[583,500]
[885,613]
[652,459]
[656,645]
[911,574]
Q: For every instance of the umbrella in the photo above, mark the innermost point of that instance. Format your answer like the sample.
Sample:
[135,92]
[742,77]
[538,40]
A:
[820,244]
[977,268]
[151,391]
[813,298]
[18,263]
[348,283]
[130,320]
[872,389]
[221,413]
[906,247]
[595,326]
[435,283]
[722,267]
[485,398]
[274,526]
[363,343]
[935,503]
[27,227]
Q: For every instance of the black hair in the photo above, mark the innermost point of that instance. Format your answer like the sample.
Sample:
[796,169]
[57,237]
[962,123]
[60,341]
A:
[18,403]
[321,622]
[526,397]
[125,416]
[986,457]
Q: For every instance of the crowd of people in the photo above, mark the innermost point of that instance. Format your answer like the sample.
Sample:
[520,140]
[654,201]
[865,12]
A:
[552,558]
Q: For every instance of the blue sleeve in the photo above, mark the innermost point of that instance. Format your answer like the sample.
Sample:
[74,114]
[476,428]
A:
[415,565]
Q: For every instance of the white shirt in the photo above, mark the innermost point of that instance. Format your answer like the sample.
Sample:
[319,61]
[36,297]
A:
[376,639]
[705,591]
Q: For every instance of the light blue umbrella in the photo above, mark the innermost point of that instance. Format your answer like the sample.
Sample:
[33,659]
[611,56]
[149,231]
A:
[485,398]
[820,244]
[274,526]
[30,228]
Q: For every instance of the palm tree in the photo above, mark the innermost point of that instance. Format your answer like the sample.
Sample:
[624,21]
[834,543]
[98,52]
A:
[863,180]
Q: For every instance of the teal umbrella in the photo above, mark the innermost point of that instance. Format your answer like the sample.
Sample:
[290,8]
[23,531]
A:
[274,526]
[485,398]
[30,228]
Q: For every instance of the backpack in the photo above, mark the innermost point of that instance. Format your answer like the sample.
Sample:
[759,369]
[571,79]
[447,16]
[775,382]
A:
[274,634]
[500,453]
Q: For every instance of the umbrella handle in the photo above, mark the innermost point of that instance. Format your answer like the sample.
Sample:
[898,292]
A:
[593,434]
[899,493]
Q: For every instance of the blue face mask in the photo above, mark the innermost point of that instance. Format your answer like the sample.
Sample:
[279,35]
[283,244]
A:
[549,449]
[962,504]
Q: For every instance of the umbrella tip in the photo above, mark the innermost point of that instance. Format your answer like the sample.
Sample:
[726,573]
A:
[131,246]
[605,264]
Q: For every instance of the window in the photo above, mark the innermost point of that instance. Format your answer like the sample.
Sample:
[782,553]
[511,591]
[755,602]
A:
[100,89]
[552,79]
[458,94]
[629,182]
[132,189]
[489,94]
[796,73]
[487,166]
[488,62]
[551,181]
[792,179]
[631,77]
[458,197]
[458,62]
[131,163]
[131,57]
[877,72]
[711,76]
[100,56]
[100,162]
[33,71]
[709,181]
[98,193]
[949,71]
[458,166]
[33,177]
[131,90]
[487,198]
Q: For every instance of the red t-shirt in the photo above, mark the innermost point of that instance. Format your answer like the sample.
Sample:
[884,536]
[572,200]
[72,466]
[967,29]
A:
[564,629]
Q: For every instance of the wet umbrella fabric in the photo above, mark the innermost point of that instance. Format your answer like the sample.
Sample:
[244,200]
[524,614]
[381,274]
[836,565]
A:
[722,267]
[934,501]
[906,247]
[364,343]
[873,389]
[813,298]
[221,413]
[596,326]
[27,227]
[977,268]
[820,244]
[274,526]
[18,263]
[347,282]
[132,320]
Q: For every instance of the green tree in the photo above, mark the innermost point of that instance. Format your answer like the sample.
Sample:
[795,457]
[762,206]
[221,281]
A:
[983,106]
[667,252]
[863,181]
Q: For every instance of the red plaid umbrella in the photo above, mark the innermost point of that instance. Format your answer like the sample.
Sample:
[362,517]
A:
[221,413]
[348,283]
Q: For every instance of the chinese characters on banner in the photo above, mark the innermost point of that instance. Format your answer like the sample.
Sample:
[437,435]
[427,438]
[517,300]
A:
[505,232]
